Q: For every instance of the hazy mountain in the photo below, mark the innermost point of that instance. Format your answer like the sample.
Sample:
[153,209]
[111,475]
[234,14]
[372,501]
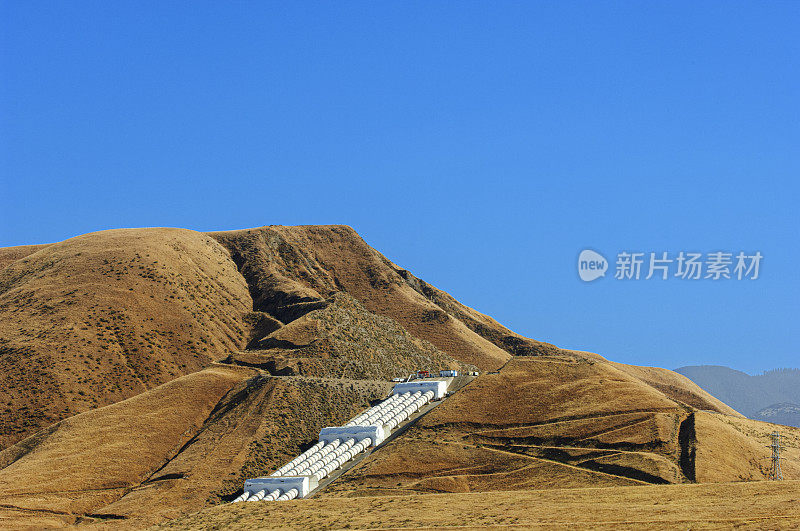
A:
[786,413]
[746,393]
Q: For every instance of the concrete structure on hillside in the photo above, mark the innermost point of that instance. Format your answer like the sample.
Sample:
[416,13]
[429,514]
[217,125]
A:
[374,433]
[272,488]
[439,387]
[339,444]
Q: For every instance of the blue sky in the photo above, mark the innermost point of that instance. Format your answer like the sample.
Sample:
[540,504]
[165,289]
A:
[481,145]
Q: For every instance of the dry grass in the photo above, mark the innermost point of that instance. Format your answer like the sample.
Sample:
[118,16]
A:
[9,255]
[343,339]
[290,267]
[757,505]
[678,388]
[133,320]
[735,449]
[94,458]
[549,422]
[105,316]
[173,450]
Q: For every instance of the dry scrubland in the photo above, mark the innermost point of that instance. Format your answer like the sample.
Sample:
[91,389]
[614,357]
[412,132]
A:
[173,449]
[105,316]
[761,505]
[343,339]
[552,422]
[146,372]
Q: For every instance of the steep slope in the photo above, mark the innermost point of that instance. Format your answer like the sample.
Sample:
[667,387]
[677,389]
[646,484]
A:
[343,339]
[253,431]
[101,317]
[85,462]
[292,269]
[541,422]
[678,388]
[105,316]
[735,449]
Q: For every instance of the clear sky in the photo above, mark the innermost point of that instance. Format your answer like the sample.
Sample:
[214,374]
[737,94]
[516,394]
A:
[481,145]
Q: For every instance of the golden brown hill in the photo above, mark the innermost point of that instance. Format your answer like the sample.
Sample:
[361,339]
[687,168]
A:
[541,423]
[291,269]
[105,316]
[9,255]
[555,422]
[101,317]
[171,450]
[303,320]
[677,387]
[344,340]
[91,459]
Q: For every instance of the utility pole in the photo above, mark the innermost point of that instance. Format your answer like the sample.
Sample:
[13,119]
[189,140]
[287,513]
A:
[775,473]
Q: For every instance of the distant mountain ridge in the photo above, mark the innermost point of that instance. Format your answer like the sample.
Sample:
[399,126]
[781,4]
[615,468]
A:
[773,396]
[786,413]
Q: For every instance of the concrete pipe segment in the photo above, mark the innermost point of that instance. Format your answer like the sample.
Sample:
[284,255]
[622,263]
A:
[288,495]
[242,497]
[323,458]
[299,459]
[313,458]
[272,496]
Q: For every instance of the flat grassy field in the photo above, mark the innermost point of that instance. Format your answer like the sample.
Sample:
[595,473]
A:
[751,505]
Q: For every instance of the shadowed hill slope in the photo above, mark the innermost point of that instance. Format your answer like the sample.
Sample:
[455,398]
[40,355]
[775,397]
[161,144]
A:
[291,269]
[342,339]
[101,317]
[546,422]
[103,453]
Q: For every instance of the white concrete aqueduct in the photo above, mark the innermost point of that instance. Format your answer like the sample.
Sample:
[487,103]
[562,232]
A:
[340,444]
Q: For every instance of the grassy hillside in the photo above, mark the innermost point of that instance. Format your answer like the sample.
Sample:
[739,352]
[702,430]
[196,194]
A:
[9,255]
[105,316]
[147,372]
[556,422]
[291,269]
[77,466]
[171,450]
